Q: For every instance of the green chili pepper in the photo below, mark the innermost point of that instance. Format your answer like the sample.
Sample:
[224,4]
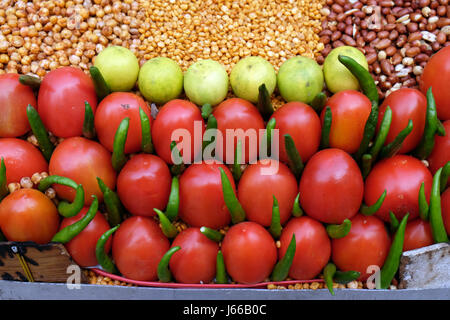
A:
[206,111]
[88,124]
[3,185]
[319,102]
[114,206]
[237,172]
[268,135]
[295,160]
[382,134]
[167,227]
[32,81]
[174,200]
[146,143]
[101,87]
[366,165]
[337,231]
[369,131]
[211,124]
[236,211]
[296,209]
[70,232]
[221,273]
[392,148]
[394,224]
[275,225]
[440,129]
[118,158]
[102,257]
[370,210]
[264,102]
[326,127]
[40,132]
[423,203]
[281,270]
[164,274]
[212,234]
[436,223]
[345,277]
[392,261]
[445,176]
[328,274]
[177,168]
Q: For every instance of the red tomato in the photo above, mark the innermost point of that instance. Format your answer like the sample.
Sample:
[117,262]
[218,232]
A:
[303,124]
[82,247]
[61,100]
[445,206]
[82,160]
[176,121]
[406,104]
[368,243]
[401,176]
[195,262]
[257,186]
[350,110]
[112,110]
[14,99]
[201,196]
[137,247]
[249,252]
[436,74]
[441,151]
[28,215]
[417,235]
[143,184]
[331,186]
[313,247]
[234,114]
[22,159]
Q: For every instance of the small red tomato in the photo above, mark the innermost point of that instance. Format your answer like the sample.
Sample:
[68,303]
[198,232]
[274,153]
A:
[417,235]
[28,215]
[445,206]
[137,248]
[110,113]
[82,247]
[350,110]
[257,186]
[61,101]
[313,247]
[195,262]
[143,184]
[441,151]
[401,177]
[331,186]
[367,243]
[14,99]
[249,252]
[201,196]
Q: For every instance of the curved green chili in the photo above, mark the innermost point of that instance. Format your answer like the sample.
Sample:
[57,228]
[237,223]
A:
[231,201]
[237,172]
[369,131]
[206,111]
[392,261]
[281,270]
[114,207]
[40,132]
[326,127]
[319,102]
[346,277]
[337,231]
[445,175]
[275,224]
[440,130]
[295,160]
[3,185]
[118,157]
[174,200]
[435,214]
[394,224]
[392,148]
[423,203]
[88,124]
[146,142]
[31,81]
[382,134]
[264,104]
[328,274]
[169,230]
[164,274]
[212,234]
[102,257]
[268,135]
[366,164]
[370,210]
[221,273]
[101,87]
[177,168]
[211,124]
[296,208]
[70,232]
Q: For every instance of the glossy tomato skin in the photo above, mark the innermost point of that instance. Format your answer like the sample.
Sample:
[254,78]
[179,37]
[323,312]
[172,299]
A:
[234,114]
[195,262]
[331,186]
[201,196]
[441,150]
[445,206]
[82,247]
[14,99]
[249,252]
[61,101]
[406,104]
[366,244]
[417,235]
[28,215]
[401,177]
[82,160]
[436,74]
[110,113]
[137,247]
[178,117]
[22,159]
[350,110]
[257,186]
[313,247]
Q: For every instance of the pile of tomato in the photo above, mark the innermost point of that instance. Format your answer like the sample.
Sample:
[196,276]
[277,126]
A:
[342,207]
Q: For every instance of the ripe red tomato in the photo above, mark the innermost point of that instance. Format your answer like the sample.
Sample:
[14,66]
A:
[406,104]
[366,244]
[258,185]
[143,184]
[249,252]
[331,186]
[401,176]
[441,151]
[112,110]
[445,206]
[436,74]
[417,235]
[234,114]
[201,196]
[137,247]
[61,101]
[82,247]
[14,99]
[178,117]
[195,262]
[313,247]
[82,160]
[350,110]
[303,124]
[28,215]
[22,159]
